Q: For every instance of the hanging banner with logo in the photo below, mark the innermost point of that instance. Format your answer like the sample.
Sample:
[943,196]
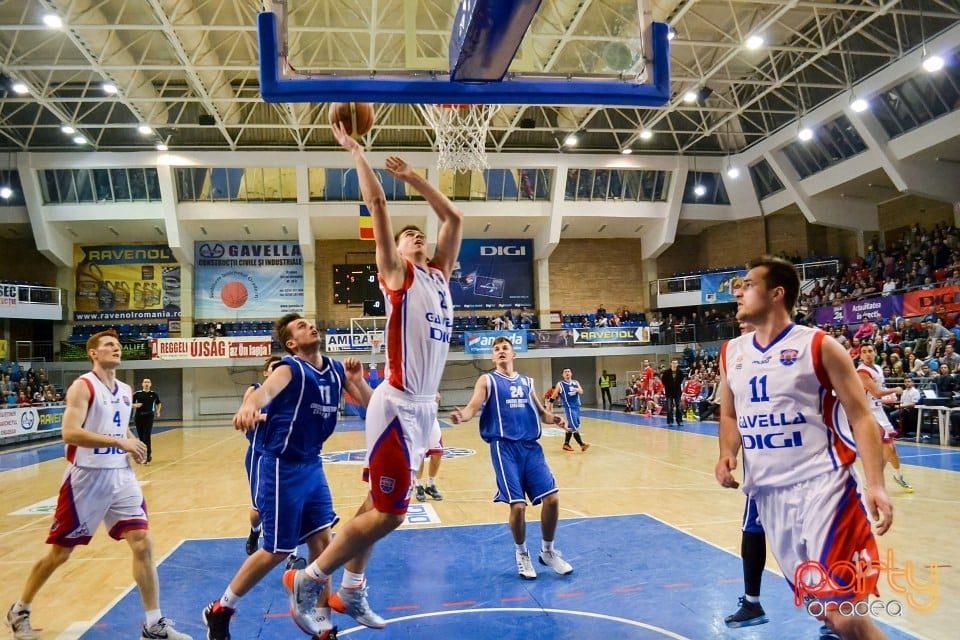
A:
[717,288]
[927,301]
[242,280]
[129,350]
[493,274]
[482,341]
[26,420]
[857,311]
[126,282]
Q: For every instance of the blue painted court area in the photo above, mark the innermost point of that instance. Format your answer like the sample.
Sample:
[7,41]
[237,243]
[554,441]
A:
[634,577]
[929,456]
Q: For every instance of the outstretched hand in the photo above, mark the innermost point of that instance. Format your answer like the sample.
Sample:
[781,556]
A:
[345,139]
[399,169]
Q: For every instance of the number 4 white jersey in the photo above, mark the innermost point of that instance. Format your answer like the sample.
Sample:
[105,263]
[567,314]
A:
[786,409]
[107,414]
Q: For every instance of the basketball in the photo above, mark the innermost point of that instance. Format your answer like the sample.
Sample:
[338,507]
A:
[234,294]
[357,117]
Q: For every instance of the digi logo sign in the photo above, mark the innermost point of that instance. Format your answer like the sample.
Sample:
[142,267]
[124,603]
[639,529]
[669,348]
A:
[503,250]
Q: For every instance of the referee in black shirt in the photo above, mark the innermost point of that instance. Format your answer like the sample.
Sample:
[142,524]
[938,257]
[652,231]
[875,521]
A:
[147,404]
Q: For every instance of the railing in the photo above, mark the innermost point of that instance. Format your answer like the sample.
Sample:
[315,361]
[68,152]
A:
[34,294]
[691,282]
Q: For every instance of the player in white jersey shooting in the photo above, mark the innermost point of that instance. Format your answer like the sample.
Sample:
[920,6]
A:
[99,486]
[874,383]
[777,404]
[403,409]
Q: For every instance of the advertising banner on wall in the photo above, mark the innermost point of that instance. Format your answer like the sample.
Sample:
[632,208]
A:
[493,274]
[927,301]
[354,341]
[26,420]
[606,335]
[482,341]
[246,280]
[210,348]
[716,288]
[126,282]
[855,312]
[129,350]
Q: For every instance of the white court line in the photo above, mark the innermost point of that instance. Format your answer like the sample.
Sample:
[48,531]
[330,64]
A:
[586,614]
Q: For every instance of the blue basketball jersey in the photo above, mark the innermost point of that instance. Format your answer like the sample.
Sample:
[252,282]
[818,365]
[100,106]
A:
[304,414]
[569,397]
[509,412]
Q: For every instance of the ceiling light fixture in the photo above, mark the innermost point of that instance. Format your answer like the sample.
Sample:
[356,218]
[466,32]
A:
[145,129]
[6,192]
[690,96]
[733,172]
[671,33]
[698,189]
[67,129]
[626,151]
[646,134]
[571,140]
[52,20]
[859,105]
[930,63]
[161,146]
[805,134]
[79,140]
[109,88]
[20,88]
[754,42]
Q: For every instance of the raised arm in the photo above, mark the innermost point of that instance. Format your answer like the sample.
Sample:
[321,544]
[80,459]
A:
[451,218]
[472,407]
[356,384]
[390,265]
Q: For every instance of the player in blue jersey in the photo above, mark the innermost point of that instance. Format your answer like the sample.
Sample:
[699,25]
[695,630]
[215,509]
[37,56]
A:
[253,538]
[510,417]
[567,393]
[292,493]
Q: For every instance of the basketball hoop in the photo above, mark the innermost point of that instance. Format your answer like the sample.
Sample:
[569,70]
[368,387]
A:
[461,133]
[375,345]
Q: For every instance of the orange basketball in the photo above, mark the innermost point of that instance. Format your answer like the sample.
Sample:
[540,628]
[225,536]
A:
[234,294]
[357,117]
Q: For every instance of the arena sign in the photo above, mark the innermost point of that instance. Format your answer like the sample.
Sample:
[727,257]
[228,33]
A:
[605,335]
[210,348]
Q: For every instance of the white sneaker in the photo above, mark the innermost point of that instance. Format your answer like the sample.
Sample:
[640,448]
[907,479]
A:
[525,566]
[162,629]
[304,592]
[354,603]
[555,561]
[19,624]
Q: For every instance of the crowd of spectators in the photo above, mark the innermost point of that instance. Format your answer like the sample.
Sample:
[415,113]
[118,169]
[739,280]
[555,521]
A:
[21,387]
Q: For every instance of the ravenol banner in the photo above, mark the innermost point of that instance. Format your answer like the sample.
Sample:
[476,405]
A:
[482,341]
[126,282]
[716,288]
[602,335]
[247,279]
[493,274]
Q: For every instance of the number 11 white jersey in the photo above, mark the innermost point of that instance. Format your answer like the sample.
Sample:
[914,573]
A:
[786,409]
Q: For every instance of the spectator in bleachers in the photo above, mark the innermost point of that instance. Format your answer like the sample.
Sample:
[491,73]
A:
[950,357]
[6,384]
[11,398]
[946,382]
[23,400]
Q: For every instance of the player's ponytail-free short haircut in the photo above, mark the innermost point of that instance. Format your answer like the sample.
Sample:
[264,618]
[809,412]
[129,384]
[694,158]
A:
[409,227]
[500,339]
[283,330]
[93,342]
[780,273]
[272,360]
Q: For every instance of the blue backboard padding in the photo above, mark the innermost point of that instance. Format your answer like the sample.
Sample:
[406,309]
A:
[485,38]
[427,89]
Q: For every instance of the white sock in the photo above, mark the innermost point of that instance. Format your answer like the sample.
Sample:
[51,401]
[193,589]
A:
[522,547]
[257,528]
[546,545]
[229,599]
[430,481]
[19,606]
[153,617]
[314,572]
[752,599]
[351,580]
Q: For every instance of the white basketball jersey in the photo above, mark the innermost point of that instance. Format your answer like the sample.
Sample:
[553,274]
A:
[876,373]
[786,409]
[419,326]
[107,414]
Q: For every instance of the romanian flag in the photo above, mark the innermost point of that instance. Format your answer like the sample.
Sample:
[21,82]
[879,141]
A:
[366,223]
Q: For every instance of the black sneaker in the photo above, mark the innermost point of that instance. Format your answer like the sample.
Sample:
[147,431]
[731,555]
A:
[253,541]
[217,619]
[421,494]
[296,562]
[433,493]
[749,614]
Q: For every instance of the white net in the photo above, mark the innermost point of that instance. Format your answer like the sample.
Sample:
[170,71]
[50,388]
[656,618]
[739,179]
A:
[461,133]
